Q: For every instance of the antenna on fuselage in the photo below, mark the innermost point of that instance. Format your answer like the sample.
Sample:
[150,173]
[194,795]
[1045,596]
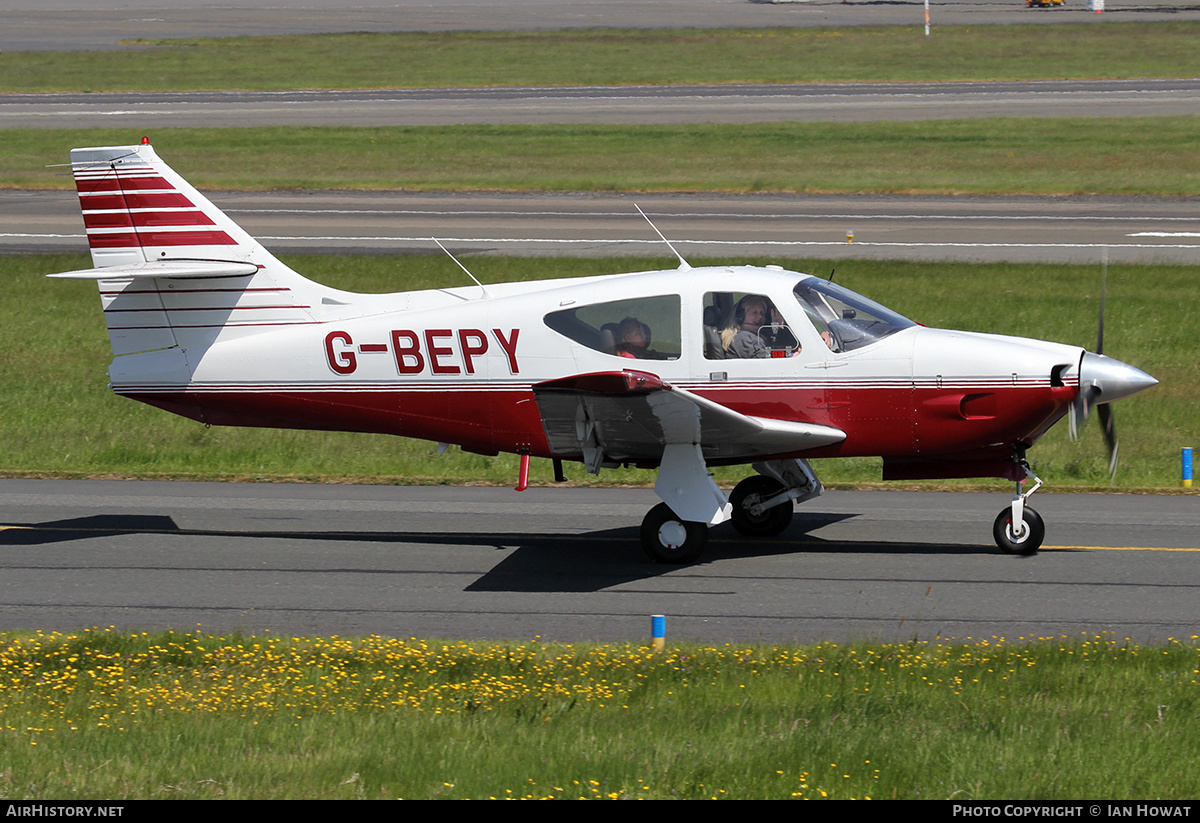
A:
[482,287]
[683,264]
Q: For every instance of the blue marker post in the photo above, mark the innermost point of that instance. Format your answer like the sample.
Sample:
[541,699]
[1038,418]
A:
[1187,467]
[658,631]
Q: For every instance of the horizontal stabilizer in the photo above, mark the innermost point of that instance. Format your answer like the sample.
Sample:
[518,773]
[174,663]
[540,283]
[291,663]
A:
[169,269]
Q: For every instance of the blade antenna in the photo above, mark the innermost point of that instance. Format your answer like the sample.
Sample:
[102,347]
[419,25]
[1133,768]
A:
[482,287]
[683,264]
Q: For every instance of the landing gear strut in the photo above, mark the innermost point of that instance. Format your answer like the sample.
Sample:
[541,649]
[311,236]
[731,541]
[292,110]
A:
[1019,529]
[759,506]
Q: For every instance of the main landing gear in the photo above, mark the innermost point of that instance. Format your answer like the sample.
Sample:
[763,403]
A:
[752,516]
[1019,529]
[667,539]
[760,506]
[763,505]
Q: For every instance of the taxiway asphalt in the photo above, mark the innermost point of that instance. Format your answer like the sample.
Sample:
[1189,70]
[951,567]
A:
[40,25]
[565,564]
[759,103]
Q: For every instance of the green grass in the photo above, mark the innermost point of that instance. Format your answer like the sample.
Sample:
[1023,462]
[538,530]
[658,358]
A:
[108,716]
[1127,156]
[617,57]
[61,420]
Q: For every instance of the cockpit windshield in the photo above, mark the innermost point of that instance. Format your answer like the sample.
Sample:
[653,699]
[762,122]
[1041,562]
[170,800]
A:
[850,320]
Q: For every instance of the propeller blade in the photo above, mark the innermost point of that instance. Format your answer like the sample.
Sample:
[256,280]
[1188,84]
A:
[1078,413]
[1108,426]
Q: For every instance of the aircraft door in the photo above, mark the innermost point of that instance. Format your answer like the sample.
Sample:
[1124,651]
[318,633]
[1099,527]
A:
[760,356]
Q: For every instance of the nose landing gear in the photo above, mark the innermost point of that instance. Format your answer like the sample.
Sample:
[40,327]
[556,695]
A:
[1019,529]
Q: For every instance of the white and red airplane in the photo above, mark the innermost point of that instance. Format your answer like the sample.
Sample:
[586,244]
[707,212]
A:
[677,370]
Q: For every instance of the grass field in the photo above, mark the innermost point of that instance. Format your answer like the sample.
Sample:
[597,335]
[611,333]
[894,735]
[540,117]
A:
[61,420]
[105,715]
[618,57]
[1124,156]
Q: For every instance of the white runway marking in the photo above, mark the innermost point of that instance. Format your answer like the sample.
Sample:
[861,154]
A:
[782,243]
[1165,234]
[648,242]
[720,215]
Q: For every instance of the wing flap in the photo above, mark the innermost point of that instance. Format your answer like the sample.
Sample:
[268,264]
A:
[632,416]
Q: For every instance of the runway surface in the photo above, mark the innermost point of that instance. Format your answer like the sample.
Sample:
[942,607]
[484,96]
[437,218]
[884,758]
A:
[819,102]
[105,24]
[564,564]
[1024,229]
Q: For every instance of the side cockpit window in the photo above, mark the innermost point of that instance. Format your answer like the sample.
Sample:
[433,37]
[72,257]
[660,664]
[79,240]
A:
[638,328]
[745,326]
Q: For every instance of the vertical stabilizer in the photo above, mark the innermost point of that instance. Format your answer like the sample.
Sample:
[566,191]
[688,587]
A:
[173,269]
[136,209]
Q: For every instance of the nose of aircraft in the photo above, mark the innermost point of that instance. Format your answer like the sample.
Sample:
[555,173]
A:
[1111,379]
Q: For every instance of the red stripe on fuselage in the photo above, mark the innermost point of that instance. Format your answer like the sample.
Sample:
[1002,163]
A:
[888,422]
[480,421]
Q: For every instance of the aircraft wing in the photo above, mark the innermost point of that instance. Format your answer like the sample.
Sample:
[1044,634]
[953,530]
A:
[632,416]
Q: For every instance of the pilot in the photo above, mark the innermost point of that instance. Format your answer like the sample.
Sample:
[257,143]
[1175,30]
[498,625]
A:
[740,338]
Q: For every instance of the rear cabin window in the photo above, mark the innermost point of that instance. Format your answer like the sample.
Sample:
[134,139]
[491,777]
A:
[639,328]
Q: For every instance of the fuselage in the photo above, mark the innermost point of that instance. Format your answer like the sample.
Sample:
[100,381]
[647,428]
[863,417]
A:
[458,365]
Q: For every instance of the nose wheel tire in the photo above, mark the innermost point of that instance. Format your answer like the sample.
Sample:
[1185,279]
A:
[1026,543]
[767,523]
[667,539]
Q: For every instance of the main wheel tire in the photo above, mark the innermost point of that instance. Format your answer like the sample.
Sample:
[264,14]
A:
[769,523]
[1029,542]
[667,539]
